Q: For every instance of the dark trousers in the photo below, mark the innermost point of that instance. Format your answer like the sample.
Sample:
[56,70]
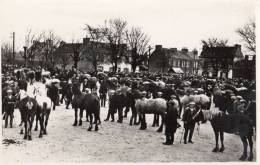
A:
[188,129]
[169,133]
[110,113]
[9,114]
[120,115]
[103,99]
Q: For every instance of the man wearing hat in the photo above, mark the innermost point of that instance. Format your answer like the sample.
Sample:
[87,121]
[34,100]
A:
[189,123]
[8,107]
[171,120]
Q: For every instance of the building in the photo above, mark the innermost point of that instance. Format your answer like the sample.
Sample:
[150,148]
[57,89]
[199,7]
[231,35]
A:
[103,58]
[219,61]
[245,68]
[174,60]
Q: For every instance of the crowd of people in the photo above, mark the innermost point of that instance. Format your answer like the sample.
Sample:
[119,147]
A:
[234,97]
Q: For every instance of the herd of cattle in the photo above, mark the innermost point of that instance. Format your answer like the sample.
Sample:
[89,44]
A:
[35,94]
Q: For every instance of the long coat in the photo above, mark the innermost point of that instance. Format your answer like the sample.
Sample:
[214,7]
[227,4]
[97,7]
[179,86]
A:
[171,118]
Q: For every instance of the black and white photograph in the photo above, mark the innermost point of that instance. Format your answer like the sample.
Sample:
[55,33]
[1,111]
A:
[128,81]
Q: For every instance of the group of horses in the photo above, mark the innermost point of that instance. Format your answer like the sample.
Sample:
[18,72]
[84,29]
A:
[133,97]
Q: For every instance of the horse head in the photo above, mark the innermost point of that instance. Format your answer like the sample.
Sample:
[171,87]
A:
[198,116]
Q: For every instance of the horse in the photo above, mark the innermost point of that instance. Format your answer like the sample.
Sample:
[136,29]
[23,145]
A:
[222,122]
[28,110]
[44,105]
[91,104]
[77,103]
[150,106]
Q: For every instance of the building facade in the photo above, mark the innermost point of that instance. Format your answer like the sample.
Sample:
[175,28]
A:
[174,60]
[219,61]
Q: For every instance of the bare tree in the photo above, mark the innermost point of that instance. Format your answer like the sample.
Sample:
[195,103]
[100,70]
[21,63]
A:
[214,42]
[51,42]
[216,62]
[7,52]
[247,34]
[138,43]
[114,33]
[93,51]
[31,40]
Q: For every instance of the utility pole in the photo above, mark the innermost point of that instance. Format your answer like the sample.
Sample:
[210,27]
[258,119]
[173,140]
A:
[149,50]
[13,35]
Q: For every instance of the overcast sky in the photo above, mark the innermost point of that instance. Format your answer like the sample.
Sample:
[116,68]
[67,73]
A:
[171,23]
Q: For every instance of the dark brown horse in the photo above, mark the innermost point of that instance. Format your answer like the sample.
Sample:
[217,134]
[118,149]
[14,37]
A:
[28,110]
[221,123]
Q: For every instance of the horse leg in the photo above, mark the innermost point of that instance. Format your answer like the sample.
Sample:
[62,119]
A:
[80,116]
[76,117]
[216,149]
[250,141]
[142,122]
[46,123]
[161,127]
[30,128]
[21,126]
[41,125]
[36,120]
[96,121]
[154,120]
[25,128]
[157,120]
[90,123]
[222,142]
[87,116]
[244,156]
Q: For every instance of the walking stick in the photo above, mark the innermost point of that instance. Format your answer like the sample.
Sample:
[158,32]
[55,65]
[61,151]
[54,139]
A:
[182,134]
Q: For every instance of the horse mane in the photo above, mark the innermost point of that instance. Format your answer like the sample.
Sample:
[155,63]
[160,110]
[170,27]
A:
[211,114]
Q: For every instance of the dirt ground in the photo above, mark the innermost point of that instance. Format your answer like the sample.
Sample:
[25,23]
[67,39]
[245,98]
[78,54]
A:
[113,142]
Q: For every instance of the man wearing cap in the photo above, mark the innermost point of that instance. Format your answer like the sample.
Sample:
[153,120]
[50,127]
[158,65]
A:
[8,105]
[189,123]
[171,121]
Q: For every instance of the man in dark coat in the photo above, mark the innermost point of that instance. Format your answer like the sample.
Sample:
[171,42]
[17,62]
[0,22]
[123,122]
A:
[170,121]
[189,123]
[112,107]
[8,105]
[103,93]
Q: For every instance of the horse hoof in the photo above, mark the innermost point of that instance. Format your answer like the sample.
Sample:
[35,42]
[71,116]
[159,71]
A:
[80,123]
[89,129]
[40,136]
[250,158]
[215,149]
[130,124]
[25,137]
[243,157]
[96,129]
[21,132]
[29,138]
[75,124]
[222,149]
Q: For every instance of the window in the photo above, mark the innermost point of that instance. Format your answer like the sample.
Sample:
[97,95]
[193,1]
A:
[188,64]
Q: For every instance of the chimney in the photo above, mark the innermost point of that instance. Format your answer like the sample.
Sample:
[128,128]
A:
[237,46]
[246,57]
[86,41]
[184,50]
[173,49]
[158,47]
